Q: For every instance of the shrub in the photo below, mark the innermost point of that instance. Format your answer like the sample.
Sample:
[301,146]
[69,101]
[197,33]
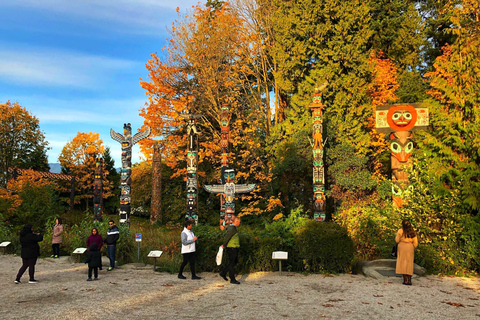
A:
[324,247]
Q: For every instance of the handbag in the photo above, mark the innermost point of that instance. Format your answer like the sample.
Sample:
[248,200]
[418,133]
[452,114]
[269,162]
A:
[394,250]
[219,256]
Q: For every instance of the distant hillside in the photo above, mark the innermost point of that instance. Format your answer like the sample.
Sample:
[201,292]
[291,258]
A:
[55,167]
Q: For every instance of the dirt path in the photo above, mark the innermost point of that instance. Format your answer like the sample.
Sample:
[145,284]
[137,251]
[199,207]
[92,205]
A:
[129,293]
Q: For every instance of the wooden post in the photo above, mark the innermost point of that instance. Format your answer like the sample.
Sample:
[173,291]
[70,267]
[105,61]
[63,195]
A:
[156,211]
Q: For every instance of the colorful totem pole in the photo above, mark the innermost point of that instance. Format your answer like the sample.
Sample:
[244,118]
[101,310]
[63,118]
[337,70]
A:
[319,200]
[156,184]
[98,189]
[398,121]
[227,189]
[192,163]
[127,143]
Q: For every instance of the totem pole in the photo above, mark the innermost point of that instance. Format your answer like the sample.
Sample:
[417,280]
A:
[398,121]
[156,184]
[319,200]
[98,189]
[127,142]
[227,189]
[192,163]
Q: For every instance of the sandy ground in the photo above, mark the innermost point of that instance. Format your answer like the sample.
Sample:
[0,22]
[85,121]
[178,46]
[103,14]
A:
[132,292]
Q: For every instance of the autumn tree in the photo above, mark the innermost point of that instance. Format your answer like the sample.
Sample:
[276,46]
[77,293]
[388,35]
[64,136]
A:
[78,158]
[22,143]
[29,198]
[451,147]
[207,65]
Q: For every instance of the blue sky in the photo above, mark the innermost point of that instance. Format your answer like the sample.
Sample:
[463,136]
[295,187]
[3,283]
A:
[76,65]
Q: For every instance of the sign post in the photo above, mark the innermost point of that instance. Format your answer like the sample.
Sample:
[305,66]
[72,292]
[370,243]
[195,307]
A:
[138,238]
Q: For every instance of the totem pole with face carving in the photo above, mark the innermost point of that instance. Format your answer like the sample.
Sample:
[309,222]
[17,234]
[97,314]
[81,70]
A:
[318,165]
[192,163]
[398,121]
[125,181]
[227,189]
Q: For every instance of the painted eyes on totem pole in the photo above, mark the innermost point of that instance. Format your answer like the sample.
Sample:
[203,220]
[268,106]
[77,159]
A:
[397,147]
[402,118]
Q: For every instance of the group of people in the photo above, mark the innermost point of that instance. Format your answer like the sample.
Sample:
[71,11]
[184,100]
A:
[406,238]
[31,249]
[231,244]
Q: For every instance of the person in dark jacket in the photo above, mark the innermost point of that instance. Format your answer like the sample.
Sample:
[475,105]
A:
[231,242]
[30,252]
[111,241]
[94,261]
[95,238]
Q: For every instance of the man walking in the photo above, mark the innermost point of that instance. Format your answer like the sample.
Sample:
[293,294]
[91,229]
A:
[231,242]
[111,240]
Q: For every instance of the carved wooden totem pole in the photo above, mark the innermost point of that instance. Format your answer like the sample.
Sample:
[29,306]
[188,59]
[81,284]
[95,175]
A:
[127,143]
[98,189]
[192,163]
[398,121]
[156,184]
[319,200]
[227,189]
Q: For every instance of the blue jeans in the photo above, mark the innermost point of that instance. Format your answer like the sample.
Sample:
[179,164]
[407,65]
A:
[111,254]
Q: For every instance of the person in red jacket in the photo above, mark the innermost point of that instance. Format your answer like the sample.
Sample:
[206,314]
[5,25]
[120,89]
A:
[30,252]
[95,238]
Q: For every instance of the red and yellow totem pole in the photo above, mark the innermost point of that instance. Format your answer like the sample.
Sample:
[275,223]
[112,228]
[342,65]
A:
[398,121]
[319,199]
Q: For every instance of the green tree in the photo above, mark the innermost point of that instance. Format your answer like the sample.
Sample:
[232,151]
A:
[452,145]
[113,201]
[22,143]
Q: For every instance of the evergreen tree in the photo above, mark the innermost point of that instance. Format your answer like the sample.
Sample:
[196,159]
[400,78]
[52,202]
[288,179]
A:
[113,201]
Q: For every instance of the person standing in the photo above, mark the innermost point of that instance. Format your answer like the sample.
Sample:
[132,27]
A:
[94,261]
[57,237]
[407,242]
[95,238]
[231,242]
[188,250]
[111,241]
[30,252]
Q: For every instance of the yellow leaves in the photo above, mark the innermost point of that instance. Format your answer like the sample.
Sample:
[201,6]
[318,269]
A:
[278,217]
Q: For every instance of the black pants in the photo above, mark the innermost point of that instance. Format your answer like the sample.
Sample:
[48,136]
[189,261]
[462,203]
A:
[95,272]
[30,264]
[188,258]
[56,249]
[232,261]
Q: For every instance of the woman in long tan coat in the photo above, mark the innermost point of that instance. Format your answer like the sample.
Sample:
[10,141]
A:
[57,237]
[407,242]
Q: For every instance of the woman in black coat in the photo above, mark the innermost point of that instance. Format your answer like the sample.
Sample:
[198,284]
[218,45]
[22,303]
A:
[30,252]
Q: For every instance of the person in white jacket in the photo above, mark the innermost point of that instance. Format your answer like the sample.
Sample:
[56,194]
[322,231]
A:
[188,250]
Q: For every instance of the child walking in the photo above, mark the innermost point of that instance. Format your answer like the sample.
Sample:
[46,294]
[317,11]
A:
[94,261]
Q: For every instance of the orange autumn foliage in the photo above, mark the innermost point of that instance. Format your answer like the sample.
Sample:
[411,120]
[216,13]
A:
[16,186]
[207,64]
[382,90]
[78,157]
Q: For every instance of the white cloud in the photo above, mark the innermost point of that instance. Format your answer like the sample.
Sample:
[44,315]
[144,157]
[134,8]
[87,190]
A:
[48,67]
[140,15]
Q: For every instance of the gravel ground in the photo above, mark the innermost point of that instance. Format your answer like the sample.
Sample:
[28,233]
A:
[133,292]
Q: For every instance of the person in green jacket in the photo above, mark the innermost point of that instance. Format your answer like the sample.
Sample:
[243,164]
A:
[231,242]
